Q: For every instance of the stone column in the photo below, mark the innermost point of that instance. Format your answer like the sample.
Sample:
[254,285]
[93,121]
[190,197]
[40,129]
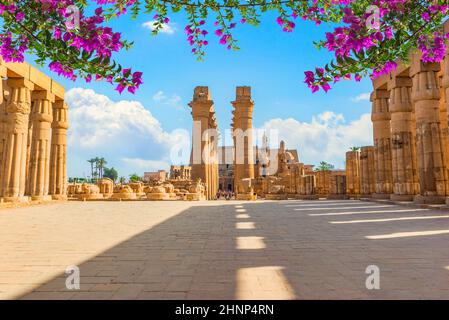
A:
[203,133]
[323,182]
[39,164]
[307,190]
[243,143]
[58,151]
[367,172]
[213,147]
[403,145]
[444,102]
[444,128]
[353,173]
[431,159]
[338,185]
[382,144]
[16,134]
[3,102]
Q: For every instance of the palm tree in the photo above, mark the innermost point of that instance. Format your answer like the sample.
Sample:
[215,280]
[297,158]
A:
[134,177]
[101,163]
[324,166]
[353,149]
[122,180]
[92,161]
[96,167]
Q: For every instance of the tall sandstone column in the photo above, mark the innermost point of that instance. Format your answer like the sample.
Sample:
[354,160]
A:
[203,135]
[403,145]
[58,151]
[338,187]
[213,147]
[39,163]
[431,159]
[243,143]
[2,121]
[16,133]
[444,128]
[445,91]
[353,173]
[367,172]
[382,147]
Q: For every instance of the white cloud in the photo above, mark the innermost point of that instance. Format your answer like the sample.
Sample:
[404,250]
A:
[326,138]
[160,98]
[142,165]
[120,131]
[133,140]
[167,28]
[362,97]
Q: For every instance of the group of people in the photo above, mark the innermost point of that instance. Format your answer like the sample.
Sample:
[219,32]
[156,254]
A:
[227,195]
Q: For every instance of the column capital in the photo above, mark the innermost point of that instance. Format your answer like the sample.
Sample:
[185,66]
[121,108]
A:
[201,103]
[399,81]
[243,103]
[400,97]
[60,115]
[425,81]
[60,104]
[418,66]
[201,93]
[20,82]
[42,95]
[379,94]
[380,108]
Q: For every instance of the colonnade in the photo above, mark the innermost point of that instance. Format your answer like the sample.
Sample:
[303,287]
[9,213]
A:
[33,135]
[410,157]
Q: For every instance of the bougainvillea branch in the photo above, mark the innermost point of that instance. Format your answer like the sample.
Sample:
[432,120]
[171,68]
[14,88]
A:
[368,36]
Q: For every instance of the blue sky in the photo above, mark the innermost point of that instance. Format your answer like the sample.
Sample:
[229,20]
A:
[270,61]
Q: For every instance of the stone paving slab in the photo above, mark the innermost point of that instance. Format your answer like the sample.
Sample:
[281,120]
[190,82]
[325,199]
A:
[224,250]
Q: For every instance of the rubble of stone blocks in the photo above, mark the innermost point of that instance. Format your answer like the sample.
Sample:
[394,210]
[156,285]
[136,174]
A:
[105,190]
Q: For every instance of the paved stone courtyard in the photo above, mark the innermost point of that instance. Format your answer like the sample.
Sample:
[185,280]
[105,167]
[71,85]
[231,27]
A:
[224,250]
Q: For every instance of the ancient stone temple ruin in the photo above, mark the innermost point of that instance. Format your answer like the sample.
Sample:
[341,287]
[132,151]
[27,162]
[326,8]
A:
[242,124]
[409,160]
[411,157]
[33,135]
[204,158]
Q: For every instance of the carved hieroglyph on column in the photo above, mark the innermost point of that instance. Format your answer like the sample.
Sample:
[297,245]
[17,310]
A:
[353,173]
[382,147]
[204,141]
[16,134]
[431,160]
[39,163]
[243,143]
[367,173]
[58,151]
[403,146]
